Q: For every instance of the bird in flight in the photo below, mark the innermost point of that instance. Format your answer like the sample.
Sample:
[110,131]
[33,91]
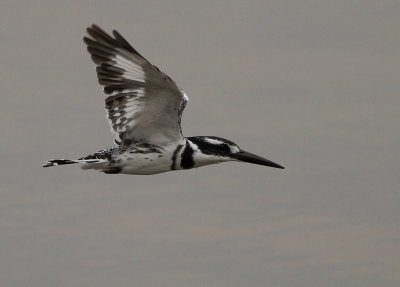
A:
[144,107]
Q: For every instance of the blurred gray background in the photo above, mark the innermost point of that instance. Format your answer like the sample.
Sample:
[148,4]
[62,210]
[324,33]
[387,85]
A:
[312,85]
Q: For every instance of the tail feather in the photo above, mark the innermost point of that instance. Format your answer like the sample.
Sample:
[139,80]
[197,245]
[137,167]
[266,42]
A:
[54,162]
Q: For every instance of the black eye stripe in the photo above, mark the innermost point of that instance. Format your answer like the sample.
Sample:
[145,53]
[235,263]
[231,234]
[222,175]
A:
[212,149]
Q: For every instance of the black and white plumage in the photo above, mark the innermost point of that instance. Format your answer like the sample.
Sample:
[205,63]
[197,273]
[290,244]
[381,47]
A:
[144,108]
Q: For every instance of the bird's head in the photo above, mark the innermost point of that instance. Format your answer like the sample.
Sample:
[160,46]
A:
[213,149]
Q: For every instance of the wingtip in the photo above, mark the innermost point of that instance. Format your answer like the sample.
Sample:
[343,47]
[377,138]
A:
[94,26]
[87,40]
[91,27]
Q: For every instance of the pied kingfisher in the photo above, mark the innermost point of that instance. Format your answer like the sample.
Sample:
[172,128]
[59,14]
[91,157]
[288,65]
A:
[144,109]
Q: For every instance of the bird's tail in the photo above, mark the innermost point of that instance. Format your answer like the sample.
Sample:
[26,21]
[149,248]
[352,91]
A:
[54,162]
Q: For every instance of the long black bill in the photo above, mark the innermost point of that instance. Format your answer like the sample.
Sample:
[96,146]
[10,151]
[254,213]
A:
[252,158]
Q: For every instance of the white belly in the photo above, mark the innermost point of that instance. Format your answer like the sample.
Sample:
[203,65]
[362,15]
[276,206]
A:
[141,160]
[146,166]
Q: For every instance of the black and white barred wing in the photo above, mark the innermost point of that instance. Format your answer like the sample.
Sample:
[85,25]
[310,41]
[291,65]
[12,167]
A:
[142,102]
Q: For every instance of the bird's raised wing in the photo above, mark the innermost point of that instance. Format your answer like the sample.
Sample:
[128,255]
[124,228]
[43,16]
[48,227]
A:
[142,102]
